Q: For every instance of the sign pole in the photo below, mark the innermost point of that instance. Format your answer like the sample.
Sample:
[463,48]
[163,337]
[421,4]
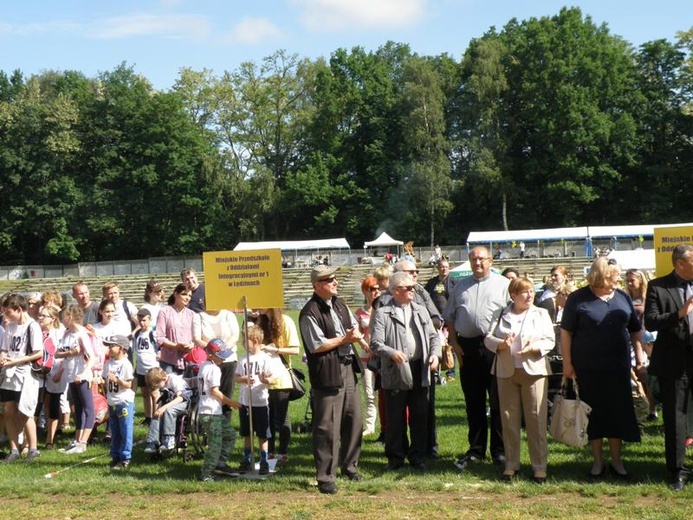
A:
[248,385]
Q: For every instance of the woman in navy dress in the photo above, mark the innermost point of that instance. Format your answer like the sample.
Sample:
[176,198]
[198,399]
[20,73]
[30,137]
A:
[599,328]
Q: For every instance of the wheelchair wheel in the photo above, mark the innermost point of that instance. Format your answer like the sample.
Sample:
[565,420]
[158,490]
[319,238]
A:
[197,437]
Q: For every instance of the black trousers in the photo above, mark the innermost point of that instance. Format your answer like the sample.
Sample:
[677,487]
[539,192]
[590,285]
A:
[676,396]
[396,404]
[478,383]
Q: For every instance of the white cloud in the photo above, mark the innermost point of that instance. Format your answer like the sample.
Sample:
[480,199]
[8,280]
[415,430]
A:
[39,28]
[331,15]
[179,26]
[252,31]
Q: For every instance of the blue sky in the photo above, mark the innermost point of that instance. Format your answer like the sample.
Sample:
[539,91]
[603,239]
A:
[158,37]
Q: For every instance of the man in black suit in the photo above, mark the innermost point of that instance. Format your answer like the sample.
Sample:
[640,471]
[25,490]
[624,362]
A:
[669,311]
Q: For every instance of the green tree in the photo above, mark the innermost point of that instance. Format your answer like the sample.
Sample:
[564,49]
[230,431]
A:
[148,164]
[423,121]
[38,143]
[357,133]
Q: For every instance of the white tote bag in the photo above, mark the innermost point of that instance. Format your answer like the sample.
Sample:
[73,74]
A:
[569,418]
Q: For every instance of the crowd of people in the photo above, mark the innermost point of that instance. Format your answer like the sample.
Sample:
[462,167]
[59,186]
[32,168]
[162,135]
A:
[102,352]
[501,331]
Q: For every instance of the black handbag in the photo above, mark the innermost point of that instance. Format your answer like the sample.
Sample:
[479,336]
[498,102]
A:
[297,389]
[297,377]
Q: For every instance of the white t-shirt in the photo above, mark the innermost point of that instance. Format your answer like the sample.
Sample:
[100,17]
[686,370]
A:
[14,342]
[178,385]
[55,387]
[256,364]
[120,320]
[146,349]
[223,326]
[115,393]
[75,365]
[208,378]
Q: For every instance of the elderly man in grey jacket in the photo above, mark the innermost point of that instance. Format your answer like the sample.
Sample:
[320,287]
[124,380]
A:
[404,337]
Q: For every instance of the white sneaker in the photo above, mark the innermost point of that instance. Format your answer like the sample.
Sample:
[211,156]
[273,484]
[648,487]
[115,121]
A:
[151,448]
[168,444]
[80,447]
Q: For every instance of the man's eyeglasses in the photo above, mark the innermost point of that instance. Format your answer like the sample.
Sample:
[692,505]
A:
[412,271]
[482,260]
[328,280]
[406,287]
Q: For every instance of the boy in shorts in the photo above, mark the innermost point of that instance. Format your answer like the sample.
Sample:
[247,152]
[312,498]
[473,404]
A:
[147,353]
[221,437]
[22,343]
[254,374]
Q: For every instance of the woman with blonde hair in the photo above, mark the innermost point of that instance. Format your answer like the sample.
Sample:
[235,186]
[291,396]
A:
[636,287]
[522,337]
[599,325]
[55,398]
[78,359]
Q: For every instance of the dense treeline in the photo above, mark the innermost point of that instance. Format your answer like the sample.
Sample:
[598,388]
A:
[547,122]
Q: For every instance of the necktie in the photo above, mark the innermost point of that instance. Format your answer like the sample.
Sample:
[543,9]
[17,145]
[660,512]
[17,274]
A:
[687,293]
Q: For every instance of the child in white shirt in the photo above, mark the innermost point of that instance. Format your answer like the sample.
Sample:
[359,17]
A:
[255,372]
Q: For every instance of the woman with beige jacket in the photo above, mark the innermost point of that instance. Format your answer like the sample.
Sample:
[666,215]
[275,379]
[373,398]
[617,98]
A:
[521,337]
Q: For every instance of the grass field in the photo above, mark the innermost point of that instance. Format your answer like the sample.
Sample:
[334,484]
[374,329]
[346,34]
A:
[169,489]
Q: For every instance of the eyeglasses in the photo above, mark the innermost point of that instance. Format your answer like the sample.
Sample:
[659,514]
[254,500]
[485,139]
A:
[412,271]
[374,288]
[33,303]
[482,260]
[406,287]
[612,261]
[45,316]
[328,280]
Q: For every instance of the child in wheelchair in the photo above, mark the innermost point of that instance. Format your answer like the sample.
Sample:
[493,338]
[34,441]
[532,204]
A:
[172,396]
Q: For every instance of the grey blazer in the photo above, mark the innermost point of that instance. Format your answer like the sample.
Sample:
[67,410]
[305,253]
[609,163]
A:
[388,334]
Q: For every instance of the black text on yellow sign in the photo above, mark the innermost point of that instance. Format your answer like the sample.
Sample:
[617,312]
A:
[666,238]
[231,276]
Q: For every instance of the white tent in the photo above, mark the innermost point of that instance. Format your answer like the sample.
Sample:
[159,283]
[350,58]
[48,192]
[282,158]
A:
[295,245]
[462,270]
[465,269]
[383,240]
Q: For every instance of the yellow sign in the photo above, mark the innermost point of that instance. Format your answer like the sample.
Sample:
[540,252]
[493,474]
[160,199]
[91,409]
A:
[665,240]
[232,275]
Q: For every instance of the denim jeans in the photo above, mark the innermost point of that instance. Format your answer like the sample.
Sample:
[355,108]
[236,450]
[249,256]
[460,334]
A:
[121,420]
[166,424]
